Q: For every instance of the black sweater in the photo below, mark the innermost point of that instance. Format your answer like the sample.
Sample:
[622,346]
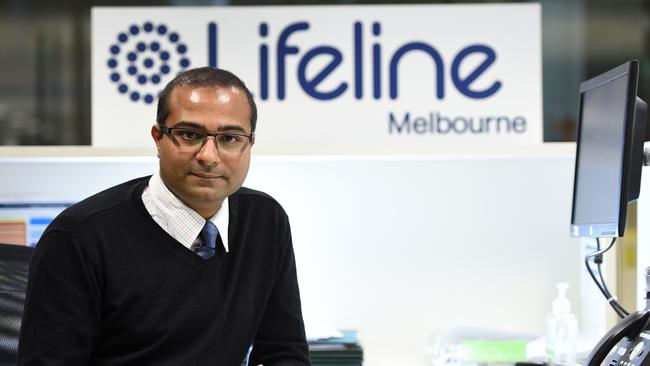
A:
[108,286]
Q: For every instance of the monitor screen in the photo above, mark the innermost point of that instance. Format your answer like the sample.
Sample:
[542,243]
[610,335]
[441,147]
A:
[606,137]
[23,223]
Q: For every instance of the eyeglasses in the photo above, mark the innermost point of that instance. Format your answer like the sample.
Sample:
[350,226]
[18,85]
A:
[191,140]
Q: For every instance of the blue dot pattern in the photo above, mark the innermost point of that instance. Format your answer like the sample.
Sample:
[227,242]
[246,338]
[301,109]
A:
[142,57]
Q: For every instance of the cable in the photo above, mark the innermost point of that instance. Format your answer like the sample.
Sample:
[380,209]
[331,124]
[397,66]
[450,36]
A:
[612,301]
[610,298]
[618,308]
[598,259]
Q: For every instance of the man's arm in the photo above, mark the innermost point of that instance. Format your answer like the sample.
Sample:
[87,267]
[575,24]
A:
[62,314]
[280,339]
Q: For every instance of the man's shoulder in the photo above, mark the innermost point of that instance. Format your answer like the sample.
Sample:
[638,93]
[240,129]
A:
[74,216]
[247,197]
[252,193]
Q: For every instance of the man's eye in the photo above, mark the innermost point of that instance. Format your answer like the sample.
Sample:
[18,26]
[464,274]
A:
[230,139]
[189,135]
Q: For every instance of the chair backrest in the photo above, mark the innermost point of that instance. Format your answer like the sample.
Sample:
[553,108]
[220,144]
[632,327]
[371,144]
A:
[14,265]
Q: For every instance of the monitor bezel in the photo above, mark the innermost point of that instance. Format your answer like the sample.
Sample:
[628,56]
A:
[610,229]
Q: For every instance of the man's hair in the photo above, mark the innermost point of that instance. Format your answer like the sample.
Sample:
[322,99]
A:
[204,77]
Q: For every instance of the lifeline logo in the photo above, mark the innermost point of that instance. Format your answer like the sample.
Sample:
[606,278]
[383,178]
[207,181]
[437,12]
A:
[155,62]
[310,85]
[382,74]
[145,54]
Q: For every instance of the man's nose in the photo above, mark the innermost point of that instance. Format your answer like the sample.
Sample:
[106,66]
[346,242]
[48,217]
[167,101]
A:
[209,152]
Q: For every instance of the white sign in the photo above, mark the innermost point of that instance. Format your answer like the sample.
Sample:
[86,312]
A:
[331,78]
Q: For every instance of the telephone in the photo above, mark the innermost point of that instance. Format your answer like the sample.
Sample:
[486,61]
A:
[627,344]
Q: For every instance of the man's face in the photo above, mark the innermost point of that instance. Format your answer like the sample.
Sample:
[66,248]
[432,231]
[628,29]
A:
[203,179]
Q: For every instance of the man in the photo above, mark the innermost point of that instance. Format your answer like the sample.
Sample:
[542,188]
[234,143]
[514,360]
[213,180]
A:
[181,268]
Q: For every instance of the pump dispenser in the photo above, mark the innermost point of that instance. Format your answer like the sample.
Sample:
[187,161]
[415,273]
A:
[561,304]
[561,330]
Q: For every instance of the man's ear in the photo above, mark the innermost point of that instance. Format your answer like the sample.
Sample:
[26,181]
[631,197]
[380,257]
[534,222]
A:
[253,140]
[157,135]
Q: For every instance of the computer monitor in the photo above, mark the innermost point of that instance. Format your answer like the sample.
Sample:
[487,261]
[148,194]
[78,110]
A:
[23,222]
[609,157]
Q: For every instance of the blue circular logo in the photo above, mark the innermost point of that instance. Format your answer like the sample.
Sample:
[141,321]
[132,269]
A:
[143,57]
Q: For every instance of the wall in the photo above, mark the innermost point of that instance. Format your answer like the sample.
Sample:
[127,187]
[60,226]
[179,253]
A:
[399,248]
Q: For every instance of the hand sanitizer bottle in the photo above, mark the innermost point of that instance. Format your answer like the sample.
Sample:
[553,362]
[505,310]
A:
[561,331]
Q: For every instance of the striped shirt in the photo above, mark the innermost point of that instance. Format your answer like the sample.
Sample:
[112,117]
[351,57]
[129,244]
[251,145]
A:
[176,218]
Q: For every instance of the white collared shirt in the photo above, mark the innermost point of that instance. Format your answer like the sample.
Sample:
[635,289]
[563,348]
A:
[176,218]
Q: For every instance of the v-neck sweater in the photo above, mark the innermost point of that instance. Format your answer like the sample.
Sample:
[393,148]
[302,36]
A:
[108,286]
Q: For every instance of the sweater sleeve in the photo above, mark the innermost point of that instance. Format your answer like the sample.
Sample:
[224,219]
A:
[62,314]
[280,339]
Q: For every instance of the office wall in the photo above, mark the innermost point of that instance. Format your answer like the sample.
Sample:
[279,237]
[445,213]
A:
[399,248]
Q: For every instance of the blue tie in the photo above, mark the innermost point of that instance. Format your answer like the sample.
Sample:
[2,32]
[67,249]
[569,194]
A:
[209,235]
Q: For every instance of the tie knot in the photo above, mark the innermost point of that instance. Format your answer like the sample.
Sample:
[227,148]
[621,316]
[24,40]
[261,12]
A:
[209,234]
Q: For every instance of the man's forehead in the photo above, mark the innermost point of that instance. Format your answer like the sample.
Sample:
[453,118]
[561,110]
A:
[197,93]
[201,93]
[216,89]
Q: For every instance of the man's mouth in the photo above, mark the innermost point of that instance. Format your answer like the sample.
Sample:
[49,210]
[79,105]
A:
[206,175]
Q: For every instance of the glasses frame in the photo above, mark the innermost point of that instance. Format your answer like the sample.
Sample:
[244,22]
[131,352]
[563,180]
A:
[169,131]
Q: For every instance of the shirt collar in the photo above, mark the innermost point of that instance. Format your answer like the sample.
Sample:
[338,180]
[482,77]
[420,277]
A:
[183,223]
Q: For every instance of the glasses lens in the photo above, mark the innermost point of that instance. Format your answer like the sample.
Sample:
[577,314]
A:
[232,144]
[187,138]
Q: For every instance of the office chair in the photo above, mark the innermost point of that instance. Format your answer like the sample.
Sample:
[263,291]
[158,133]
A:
[14,264]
